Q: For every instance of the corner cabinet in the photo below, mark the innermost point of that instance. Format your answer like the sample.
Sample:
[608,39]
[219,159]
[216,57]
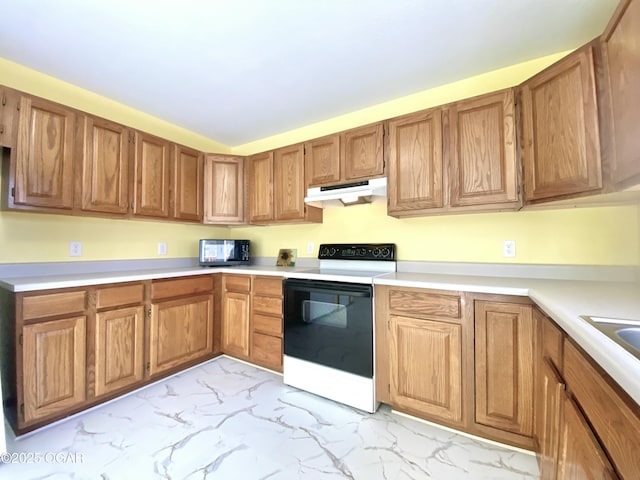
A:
[224,193]
[560,130]
[181,323]
[504,363]
[42,163]
[620,43]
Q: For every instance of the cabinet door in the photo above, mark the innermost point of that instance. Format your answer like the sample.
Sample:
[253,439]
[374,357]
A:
[9,103]
[581,457]
[561,147]
[551,394]
[186,192]
[415,162]
[260,185]
[181,331]
[151,175]
[621,42]
[363,155]
[53,366]
[119,343]
[266,350]
[426,367]
[504,339]
[483,158]
[44,160]
[288,193]
[322,161]
[105,166]
[235,324]
[223,189]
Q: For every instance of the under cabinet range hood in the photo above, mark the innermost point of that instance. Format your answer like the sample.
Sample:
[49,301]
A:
[345,194]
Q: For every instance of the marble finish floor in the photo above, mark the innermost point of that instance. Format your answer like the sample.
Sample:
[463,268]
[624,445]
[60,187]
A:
[228,420]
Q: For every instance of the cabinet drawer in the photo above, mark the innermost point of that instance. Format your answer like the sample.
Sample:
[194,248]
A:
[51,304]
[268,305]
[268,286]
[424,303]
[181,287]
[108,297]
[237,283]
[267,350]
[614,417]
[267,324]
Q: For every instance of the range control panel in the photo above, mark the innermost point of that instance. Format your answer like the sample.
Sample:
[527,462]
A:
[358,251]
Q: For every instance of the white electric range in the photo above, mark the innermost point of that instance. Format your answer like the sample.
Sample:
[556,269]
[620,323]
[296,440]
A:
[328,323]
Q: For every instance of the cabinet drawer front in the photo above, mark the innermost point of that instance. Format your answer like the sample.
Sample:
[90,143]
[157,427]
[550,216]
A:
[237,283]
[423,303]
[268,286]
[181,286]
[615,420]
[121,295]
[268,305]
[266,324]
[267,351]
[52,304]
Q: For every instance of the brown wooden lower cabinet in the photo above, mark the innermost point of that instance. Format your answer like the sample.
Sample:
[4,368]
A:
[54,370]
[236,307]
[549,411]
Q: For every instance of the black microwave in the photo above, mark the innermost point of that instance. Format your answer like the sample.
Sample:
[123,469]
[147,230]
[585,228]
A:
[215,253]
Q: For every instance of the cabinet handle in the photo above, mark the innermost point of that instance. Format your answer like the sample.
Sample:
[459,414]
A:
[1,129]
[149,313]
[148,366]
[4,100]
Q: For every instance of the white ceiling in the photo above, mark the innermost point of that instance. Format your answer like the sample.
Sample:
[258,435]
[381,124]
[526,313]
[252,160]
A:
[240,70]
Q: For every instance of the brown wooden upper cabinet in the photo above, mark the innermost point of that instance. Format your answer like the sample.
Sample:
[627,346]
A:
[151,170]
[620,43]
[561,144]
[103,185]
[483,154]
[323,160]
[276,185]
[224,189]
[42,164]
[187,185]
[363,152]
[415,163]
[9,104]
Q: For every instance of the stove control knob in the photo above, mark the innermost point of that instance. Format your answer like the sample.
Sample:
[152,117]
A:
[386,252]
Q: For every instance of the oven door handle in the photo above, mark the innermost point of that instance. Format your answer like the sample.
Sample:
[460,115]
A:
[336,288]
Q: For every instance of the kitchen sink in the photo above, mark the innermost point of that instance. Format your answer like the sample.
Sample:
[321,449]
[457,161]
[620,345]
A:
[625,333]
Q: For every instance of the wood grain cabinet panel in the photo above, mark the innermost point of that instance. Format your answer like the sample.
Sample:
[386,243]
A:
[260,187]
[224,189]
[322,161]
[425,303]
[483,161]
[266,350]
[561,143]
[236,323]
[504,346]
[363,152]
[548,414]
[621,51]
[54,367]
[9,109]
[289,187]
[119,345]
[187,184]
[426,367]
[177,287]
[415,163]
[104,179]
[51,304]
[580,455]
[45,155]
[152,167]
[181,331]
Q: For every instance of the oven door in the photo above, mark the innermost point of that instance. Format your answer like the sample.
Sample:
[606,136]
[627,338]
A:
[330,324]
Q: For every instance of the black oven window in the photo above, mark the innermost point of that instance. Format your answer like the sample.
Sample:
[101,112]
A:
[330,324]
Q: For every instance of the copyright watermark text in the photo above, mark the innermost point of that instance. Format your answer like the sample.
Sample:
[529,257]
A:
[42,457]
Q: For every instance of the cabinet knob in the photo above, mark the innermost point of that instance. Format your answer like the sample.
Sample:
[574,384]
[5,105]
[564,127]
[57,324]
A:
[149,313]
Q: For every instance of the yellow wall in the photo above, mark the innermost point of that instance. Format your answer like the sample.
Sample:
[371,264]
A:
[592,236]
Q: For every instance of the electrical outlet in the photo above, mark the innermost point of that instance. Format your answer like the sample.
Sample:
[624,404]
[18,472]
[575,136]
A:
[75,249]
[162,248]
[508,248]
[310,247]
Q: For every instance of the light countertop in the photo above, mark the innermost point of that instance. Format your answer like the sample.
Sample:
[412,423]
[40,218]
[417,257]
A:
[562,300]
